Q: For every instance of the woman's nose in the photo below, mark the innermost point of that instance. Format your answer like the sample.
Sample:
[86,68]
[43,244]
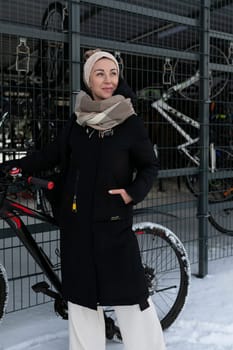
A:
[107,78]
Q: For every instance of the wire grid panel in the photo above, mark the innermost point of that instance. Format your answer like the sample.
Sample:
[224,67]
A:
[160,47]
[166,83]
[34,105]
[151,76]
[34,75]
[221,131]
[23,272]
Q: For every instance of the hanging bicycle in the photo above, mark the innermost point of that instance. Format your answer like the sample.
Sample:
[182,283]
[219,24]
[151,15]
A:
[220,158]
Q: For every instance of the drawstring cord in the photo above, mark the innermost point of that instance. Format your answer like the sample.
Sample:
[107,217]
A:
[74,202]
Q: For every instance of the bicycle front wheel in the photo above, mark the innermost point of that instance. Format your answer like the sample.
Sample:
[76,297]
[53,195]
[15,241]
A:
[167,269]
[3,291]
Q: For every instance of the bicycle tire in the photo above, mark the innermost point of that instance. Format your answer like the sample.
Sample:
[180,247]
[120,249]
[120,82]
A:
[44,204]
[4,288]
[218,188]
[52,55]
[166,267]
[218,79]
[222,220]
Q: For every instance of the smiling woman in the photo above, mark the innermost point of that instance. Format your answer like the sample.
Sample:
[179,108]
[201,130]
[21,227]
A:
[107,165]
[119,282]
[103,81]
[101,75]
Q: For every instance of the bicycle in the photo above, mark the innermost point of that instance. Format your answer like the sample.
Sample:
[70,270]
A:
[27,123]
[54,55]
[45,63]
[29,101]
[164,258]
[52,64]
[220,159]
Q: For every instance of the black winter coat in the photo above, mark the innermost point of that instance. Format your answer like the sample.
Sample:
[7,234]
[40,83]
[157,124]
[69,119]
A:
[99,253]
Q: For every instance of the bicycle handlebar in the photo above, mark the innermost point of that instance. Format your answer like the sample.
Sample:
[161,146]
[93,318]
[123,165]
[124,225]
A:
[49,185]
[13,177]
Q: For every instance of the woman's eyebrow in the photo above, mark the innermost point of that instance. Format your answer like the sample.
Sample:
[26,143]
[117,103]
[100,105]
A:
[102,70]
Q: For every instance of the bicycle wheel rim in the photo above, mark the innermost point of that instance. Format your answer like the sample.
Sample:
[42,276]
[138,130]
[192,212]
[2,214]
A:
[164,256]
[222,221]
[53,53]
[217,80]
[45,205]
[220,189]
[4,289]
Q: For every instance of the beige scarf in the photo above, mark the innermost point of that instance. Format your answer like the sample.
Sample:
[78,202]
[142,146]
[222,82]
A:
[102,115]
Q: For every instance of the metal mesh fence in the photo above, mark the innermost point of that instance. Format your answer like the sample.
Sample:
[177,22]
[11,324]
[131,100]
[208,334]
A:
[34,104]
[22,271]
[177,58]
[34,85]
[220,130]
[159,45]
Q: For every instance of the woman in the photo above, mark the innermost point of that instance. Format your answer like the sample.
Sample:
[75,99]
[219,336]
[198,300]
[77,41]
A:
[108,165]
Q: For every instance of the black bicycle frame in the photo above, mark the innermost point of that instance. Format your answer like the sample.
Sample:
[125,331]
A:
[10,212]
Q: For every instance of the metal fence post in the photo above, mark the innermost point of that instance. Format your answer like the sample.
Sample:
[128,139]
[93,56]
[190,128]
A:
[204,136]
[74,49]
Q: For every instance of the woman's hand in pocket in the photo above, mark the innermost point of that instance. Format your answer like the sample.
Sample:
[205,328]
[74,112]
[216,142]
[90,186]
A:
[124,195]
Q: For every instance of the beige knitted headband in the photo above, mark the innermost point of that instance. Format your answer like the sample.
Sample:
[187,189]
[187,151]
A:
[92,60]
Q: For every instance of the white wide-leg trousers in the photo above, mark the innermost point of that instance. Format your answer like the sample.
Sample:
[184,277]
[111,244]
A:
[140,330]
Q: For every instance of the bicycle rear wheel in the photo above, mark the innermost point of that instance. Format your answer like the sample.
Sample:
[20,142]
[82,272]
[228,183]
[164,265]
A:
[53,54]
[3,291]
[166,267]
[222,219]
[219,189]
[186,68]
[43,203]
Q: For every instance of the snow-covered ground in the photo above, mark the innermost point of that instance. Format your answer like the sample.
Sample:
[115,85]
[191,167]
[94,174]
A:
[206,323]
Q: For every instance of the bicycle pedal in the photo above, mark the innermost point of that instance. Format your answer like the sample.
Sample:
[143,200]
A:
[40,287]
[43,287]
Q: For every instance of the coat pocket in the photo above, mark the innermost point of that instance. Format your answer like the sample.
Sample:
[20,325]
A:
[111,208]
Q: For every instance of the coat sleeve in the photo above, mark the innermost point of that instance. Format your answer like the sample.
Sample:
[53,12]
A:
[144,161]
[48,157]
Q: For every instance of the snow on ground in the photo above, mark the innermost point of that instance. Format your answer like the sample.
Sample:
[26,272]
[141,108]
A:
[206,323]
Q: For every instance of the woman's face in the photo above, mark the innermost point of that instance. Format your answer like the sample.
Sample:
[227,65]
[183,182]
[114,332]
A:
[103,79]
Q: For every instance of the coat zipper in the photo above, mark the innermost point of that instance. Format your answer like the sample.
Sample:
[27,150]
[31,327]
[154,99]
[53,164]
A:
[74,202]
